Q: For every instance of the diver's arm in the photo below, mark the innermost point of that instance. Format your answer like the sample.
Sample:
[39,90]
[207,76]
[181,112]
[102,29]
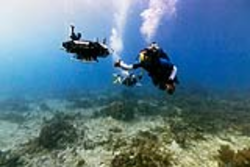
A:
[137,65]
[125,66]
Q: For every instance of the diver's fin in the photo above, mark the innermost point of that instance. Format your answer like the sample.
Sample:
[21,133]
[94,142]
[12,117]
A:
[117,79]
[138,84]
[81,60]
[139,77]
[125,73]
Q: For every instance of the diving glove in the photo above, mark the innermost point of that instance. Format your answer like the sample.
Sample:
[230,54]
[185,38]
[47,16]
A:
[118,63]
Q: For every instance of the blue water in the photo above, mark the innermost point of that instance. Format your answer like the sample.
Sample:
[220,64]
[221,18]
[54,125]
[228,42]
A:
[207,40]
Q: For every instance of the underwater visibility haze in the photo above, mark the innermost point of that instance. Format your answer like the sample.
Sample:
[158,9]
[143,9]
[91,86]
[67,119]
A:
[208,41]
[57,111]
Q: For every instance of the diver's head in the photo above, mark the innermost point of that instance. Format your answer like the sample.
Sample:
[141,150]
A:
[153,46]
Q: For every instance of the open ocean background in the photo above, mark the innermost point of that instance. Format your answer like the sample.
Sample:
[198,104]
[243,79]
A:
[207,40]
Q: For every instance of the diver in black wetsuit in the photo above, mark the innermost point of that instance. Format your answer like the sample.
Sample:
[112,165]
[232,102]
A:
[128,80]
[73,35]
[156,62]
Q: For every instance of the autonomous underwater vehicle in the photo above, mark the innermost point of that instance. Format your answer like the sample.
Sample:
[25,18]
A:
[86,50]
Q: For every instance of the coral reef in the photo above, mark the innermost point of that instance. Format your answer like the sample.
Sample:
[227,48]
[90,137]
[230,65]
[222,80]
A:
[115,129]
[9,159]
[89,144]
[147,135]
[183,132]
[80,103]
[15,104]
[146,131]
[57,132]
[57,135]
[143,152]
[214,115]
[228,157]
[128,110]
[44,107]
[13,117]
[147,108]
[118,110]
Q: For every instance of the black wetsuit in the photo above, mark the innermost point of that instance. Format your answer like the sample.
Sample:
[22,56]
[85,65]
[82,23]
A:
[130,80]
[158,66]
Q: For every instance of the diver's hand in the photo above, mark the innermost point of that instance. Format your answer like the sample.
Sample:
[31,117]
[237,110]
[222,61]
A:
[118,63]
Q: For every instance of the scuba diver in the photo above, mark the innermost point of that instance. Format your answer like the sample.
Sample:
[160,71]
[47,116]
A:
[129,79]
[157,63]
[73,35]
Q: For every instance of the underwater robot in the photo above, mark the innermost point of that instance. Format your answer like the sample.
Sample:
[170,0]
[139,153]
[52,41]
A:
[86,50]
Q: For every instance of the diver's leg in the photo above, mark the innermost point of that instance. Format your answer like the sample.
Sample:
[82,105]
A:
[173,73]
